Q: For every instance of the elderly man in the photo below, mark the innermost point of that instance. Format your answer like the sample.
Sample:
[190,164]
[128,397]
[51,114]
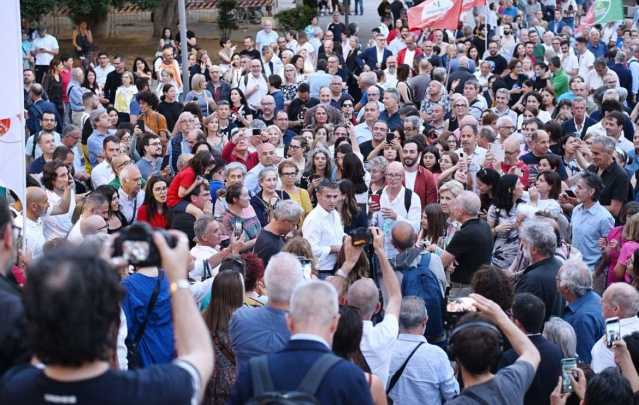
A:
[312,320]
[266,158]
[540,147]
[583,311]
[285,217]
[234,172]
[267,110]
[501,108]
[36,207]
[254,85]
[75,91]
[130,195]
[471,246]
[417,381]
[372,95]
[391,109]
[364,131]
[323,228]
[101,124]
[92,226]
[616,184]
[207,237]
[378,340]
[580,121]
[595,78]
[590,220]
[538,243]
[620,300]
[94,204]
[378,141]
[397,203]
[263,330]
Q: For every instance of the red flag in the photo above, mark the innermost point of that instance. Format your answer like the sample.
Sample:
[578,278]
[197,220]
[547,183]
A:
[443,14]
[587,21]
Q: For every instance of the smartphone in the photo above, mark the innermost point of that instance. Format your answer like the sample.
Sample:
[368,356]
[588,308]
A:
[389,137]
[375,198]
[613,331]
[237,229]
[461,305]
[568,365]
[570,193]
[225,243]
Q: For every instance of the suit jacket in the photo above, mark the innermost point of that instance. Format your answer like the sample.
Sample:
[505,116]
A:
[224,92]
[343,384]
[369,56]
[569,126]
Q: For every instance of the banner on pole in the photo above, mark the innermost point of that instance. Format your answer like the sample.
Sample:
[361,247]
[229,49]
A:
[12,159]
[433,14]
[602,12]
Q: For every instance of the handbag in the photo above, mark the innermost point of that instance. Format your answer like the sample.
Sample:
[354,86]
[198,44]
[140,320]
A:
[133,355]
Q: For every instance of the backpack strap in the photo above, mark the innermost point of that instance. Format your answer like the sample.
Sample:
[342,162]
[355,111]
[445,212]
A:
[408,196]
[260,376]
[314,376]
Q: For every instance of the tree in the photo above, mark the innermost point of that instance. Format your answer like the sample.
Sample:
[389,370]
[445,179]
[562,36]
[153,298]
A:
[164,14]
[226,22]
[31,10]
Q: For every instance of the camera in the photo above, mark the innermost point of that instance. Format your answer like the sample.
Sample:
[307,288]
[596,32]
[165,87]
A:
[361,236]
[135,244]
[389,137]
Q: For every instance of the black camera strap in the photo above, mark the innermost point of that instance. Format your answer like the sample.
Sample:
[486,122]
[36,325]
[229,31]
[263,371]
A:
[400,371]
[149,309]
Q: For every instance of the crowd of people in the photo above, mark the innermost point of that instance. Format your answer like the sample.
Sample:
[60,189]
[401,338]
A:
[431,216]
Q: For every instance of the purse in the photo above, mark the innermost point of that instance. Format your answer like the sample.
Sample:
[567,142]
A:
[133,355]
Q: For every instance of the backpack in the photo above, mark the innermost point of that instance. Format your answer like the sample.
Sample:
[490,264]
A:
[264,392]
[419,281]
[408,196]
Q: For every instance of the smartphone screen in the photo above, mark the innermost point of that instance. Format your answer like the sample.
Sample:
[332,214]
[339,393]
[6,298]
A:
[567,365]
[613,331]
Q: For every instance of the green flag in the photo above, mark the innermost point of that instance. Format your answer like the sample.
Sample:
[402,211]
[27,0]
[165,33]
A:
[608,10]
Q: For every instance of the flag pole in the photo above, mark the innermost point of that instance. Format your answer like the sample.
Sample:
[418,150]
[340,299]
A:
[448,71]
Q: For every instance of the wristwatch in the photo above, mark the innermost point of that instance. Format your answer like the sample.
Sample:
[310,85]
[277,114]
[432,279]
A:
[178,285]
[341,273]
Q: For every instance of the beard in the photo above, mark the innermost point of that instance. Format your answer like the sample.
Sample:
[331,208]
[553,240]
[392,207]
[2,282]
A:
[408,162]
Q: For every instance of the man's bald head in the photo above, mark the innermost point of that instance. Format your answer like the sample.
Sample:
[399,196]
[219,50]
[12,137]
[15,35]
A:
[404,235]
[621,300]
[93,225]
[35,194]
[37,202]
[364,296]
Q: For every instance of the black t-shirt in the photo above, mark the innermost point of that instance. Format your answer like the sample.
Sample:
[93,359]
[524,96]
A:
[472,246]
[267,245]
[171,112]
[616,184]
[499,62]
[160,384]
[297,110]
[337,30]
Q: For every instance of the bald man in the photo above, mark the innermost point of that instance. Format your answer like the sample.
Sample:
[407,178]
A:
[620,300]
[93,204]
[93,225]
[36,207]
[267,158]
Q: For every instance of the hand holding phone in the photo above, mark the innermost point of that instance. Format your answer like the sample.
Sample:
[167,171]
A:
[613,331]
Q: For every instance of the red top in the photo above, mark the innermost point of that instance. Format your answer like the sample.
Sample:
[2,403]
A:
[158,221]
[229,156]
[184,178]
[65,78]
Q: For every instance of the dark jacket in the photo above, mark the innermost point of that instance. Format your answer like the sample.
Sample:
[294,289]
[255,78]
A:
[539,279]
[262,210]
[224,92]
[569,126]
[369,56]
[35,116]
[343,384]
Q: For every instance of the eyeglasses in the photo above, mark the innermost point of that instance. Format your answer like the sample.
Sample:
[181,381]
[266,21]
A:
[294,146]
[460,105]
[289,174]
[395,175]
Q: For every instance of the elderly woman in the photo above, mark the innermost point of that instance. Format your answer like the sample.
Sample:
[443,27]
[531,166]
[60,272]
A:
[377,169]
[275,138]
[267,197]
[200,94]
[240,218]
[447,194]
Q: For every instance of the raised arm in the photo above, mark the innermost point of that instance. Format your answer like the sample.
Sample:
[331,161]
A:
[388,274]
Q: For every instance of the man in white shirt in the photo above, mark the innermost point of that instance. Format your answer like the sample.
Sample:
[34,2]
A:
[207,237]
[266,156]
[130,197]
[253,85]
[323,227]
[364,131]
[378,340]
[266,36]
[395,206]
[45,47]
[569,61]
[596,77]
[620,300]
[585,58]
[36,206]
[471,151]
[94,204]
[102,69]
[613,124]
[103,172]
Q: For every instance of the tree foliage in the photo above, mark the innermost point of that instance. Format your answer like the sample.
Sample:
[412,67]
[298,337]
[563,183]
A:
[91,11]
[225,19]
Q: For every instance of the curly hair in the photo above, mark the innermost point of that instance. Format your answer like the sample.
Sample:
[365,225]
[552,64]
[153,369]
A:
[72,307]
[494,284]
[254,271]
[49,173]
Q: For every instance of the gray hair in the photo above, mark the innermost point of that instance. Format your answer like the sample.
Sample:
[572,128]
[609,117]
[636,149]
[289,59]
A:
[605,141]
[412,313]
[625,297]
[68,129]
[265,172]
[315,303]
[439,74]
[363,295]
[576,277]
[378,162]
[562,334]
[504,119]
[393,93]
[610,94]
[473,82]
[541,235]
[452,186]
[287,210]
[127,171]
[77,74]
[414,121]
[200,225]
[95,115]
[469,202]
[283,273]
[234,166]
[620,57]
[503,91]
[369,78]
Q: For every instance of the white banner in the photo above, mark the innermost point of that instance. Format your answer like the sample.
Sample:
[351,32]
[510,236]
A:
[12,121]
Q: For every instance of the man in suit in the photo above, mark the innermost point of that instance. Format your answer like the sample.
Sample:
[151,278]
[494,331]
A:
[375,57]
[312,320]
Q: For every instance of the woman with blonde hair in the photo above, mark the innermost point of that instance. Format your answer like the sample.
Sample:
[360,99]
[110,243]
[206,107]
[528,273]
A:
[290,84]
[213,137]
[123,96]
[275,138]
[447,194]
[200,94]
[302,249]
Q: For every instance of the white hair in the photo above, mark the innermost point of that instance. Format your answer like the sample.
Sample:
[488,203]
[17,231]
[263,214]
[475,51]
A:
[283,273]
[314,302]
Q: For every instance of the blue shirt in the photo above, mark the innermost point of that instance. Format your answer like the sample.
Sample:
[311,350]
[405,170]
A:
[588,225]
[318,80]
[427,375]
[257,331]
[599,50]
[94,144]
[394,121]
[76,91]
[586,318]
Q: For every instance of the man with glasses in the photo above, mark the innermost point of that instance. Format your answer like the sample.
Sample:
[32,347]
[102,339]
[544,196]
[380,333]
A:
[151,162]
[376,56]
[511,163]
[220,89]
[373,95]
[337,92]
[103,68]
[130,194]
[103,172]
[254,85]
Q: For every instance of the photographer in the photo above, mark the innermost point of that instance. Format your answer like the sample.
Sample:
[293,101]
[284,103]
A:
[72,303]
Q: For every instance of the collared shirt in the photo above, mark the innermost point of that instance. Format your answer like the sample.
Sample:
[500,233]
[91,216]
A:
[101,174]
[128,205]
[37,152]
[363,133]
[377,345]
[76,91]
[588,225]
[428,373]
[101,73]
[586,318]
[314,338]
[507,112]
[323,229]
[602,357]
[94,144]
[615,182]
[34,236]
[149,167]
[255,99]
[585,62]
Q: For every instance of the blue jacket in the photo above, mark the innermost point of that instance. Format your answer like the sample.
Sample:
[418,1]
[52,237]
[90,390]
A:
[369,56]
[343,384]
[585,317]
[35,116]
[569,126]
